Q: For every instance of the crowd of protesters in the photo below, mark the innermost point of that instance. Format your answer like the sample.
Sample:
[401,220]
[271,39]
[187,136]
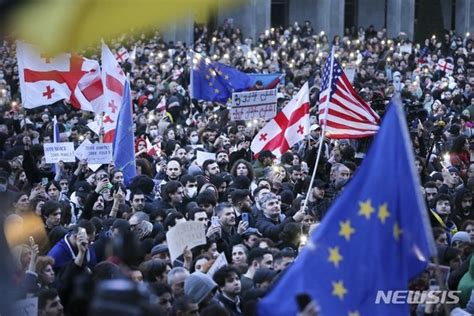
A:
[103,248]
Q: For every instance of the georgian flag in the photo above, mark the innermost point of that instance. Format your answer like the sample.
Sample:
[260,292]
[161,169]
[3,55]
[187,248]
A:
[122,55]
[46,79]
[287,128]
[113,80]
[445,66]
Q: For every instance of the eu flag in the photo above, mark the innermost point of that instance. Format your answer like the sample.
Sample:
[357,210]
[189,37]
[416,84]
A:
[376,236]
[213,81]
[124,151]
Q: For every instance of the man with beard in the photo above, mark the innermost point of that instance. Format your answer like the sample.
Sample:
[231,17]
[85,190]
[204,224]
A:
[242,204]
[172,197]
[462,207]
[431,191]
[173,172]
[223,160]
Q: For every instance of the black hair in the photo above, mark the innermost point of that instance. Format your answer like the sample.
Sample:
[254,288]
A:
[223,273]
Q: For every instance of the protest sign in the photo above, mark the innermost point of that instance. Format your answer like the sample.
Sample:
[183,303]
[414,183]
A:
[219,263]
[190,234]
[56,152]
[202,156]
[253,104]
[26,307]
[94,153]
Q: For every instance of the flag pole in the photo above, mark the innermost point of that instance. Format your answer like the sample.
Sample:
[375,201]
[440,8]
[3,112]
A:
[191,75]
[323,132]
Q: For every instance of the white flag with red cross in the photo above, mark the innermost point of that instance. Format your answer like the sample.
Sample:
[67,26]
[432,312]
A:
[122,55]
[113,80]
[445,66]
[46,79]
[287,128]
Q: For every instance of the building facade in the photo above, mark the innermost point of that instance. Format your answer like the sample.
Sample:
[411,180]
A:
[418,19]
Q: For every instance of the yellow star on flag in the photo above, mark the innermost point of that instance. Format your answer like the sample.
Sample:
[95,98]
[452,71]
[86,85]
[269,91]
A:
[216,90]
[397,231]
[210,84]
[346,230]
[226,77]
[366,209]
[354,313]
[338,289]
[334,256]
[383,212]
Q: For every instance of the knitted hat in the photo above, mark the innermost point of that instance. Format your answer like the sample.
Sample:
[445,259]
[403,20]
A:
[198,286]
[461,236]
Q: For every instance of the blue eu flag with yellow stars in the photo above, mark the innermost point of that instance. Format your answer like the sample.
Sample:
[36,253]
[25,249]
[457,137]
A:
[213,81]
[375,237]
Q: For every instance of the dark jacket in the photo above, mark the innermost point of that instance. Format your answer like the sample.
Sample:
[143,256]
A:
[234,308]
[270,228]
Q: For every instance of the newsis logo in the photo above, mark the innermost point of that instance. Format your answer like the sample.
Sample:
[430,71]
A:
[417,297]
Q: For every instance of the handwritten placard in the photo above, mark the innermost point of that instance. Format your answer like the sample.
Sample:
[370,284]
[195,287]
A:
[253,104]
[202,156]
[190,234]
[219,263]
[56,152]
[94,153]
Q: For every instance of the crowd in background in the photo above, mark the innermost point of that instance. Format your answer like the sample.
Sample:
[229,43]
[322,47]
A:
[103,247]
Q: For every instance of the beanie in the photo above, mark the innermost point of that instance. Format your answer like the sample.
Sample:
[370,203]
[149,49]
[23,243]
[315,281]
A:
[198,286]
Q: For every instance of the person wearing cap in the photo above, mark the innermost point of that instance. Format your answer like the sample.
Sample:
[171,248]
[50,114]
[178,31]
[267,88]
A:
[318,204]
[200,288]
[161,251]
[271,221]
[263,278]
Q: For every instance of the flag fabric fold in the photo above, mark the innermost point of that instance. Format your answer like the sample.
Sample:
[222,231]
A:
[213,81]
[123,142]
[113,80]
[376,236]
[46,79]
[346,114]
[287,128]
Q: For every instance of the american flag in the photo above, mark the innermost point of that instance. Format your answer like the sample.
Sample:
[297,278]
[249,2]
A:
[348,115]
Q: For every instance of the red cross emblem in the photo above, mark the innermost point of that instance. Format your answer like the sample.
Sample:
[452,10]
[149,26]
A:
[263,137]
[300,129]
[108,119]
[279,141]
[70,78]
[112,106]
[48,93]
[120,56]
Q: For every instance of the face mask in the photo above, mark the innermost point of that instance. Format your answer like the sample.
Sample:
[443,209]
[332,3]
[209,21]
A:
[190,192]
[154,133]
[3,186]
[194,139]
